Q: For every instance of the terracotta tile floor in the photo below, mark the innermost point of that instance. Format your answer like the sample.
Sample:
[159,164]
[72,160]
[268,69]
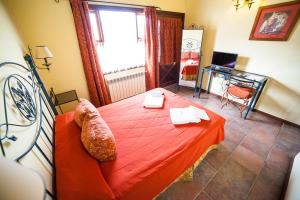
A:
[251,163]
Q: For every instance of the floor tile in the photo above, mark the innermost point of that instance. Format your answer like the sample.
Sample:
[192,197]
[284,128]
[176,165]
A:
[250,163]
[243,125]
[289,134]
[262,190]
[255,146]
[248,159]
[234,134]
[217,157]
[272,174]
[279,159]
[181,190]
[203,174]
[228,145]
[291,149]
[203,196]
[265,120]
[269,183]
[263,135]
[290,128]
[233,181]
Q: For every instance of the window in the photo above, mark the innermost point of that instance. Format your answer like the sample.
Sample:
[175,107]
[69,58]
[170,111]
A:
[122,44]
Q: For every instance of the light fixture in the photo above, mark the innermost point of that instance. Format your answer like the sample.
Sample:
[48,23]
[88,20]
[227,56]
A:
[42,52]
[240,3]
[250,2]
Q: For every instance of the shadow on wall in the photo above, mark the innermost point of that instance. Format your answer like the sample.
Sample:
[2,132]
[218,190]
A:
[242,63]
[209,38]
[275,86]
[269,98]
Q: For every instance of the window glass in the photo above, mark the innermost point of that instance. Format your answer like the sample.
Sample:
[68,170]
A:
[140,26]
[121,49]
[94,25]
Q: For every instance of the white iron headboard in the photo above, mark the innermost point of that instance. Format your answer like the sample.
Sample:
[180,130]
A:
[27,120]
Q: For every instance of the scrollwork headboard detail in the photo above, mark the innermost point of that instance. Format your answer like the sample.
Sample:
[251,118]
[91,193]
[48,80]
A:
[27,120]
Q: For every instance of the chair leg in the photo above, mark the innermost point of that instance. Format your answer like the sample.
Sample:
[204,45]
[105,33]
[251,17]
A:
[242,109]
[224,104]
[243,106]
[60,109]
[225,93]
[226,100]
[223,97]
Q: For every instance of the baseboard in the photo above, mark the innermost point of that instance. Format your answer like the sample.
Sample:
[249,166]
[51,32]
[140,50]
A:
[285,121]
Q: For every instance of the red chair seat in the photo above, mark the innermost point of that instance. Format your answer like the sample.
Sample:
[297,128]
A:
[241,92]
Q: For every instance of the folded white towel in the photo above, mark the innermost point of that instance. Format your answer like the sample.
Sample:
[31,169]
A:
[183,116]
[154,99]
[199,113]
[187,115]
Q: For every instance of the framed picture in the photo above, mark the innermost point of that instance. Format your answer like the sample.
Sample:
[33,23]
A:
[275,22]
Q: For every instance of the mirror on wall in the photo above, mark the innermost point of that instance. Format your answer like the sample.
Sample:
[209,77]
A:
[190,56]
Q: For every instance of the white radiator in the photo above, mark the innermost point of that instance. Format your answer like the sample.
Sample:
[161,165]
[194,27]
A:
[125,85]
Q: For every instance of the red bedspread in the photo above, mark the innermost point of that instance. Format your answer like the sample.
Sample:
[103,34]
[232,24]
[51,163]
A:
[189,69]
[152,152]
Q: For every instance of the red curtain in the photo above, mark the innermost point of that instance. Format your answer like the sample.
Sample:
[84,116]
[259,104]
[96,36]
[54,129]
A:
[95,80]
[151,43]
[170,32]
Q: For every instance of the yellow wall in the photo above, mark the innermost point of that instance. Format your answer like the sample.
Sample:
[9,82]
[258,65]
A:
[10,43]
[228,30]
[50,23]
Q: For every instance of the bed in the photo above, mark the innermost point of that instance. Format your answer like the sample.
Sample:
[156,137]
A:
[189,69]
[152,152]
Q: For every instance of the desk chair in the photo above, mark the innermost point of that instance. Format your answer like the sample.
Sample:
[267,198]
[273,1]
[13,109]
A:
[238,89]
[63,98]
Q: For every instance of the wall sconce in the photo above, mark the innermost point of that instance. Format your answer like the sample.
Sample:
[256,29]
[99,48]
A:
[240,3]
[42,52]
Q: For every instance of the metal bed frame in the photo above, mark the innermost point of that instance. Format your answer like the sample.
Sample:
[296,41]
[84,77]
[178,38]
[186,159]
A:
[29,96]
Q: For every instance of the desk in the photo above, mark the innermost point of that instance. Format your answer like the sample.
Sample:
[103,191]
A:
[259,81]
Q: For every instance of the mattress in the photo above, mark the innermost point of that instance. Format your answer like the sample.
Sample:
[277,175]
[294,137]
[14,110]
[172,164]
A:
[151,151]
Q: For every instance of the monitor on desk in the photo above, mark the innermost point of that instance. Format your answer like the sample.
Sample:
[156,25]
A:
[224,60]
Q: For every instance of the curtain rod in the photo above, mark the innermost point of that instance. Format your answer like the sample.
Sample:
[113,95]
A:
[126,4]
